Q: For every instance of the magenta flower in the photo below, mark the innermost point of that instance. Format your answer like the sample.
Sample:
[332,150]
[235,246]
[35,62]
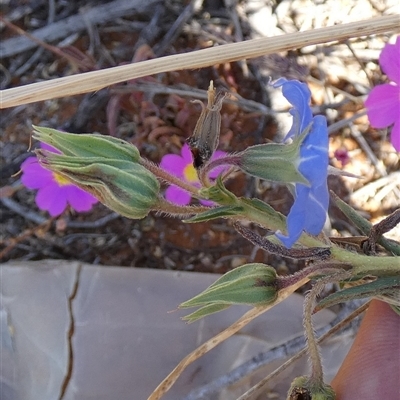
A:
[54,191]
[383,102]
[342,155]
[182,167]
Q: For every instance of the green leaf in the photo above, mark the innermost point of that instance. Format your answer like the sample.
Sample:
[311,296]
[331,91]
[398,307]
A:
[364,225]
[263,207]
[262,213]
[386,286]
[214,213]
[219,194]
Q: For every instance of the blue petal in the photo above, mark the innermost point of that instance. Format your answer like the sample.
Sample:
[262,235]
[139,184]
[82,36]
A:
[317,206]
[296,218]
[309,210]
[298,95]
[314,152]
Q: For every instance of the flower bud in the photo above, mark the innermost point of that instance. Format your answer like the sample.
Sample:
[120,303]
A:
[87,144]
[303,388]
[123,186]
[251,284]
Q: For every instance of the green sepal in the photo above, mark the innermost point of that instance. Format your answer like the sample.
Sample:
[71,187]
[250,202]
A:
[275,161]
[87,144]
[381,287]
[205,311]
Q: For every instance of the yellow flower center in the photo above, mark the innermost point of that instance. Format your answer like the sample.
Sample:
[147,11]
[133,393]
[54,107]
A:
[61,180]
[190,174]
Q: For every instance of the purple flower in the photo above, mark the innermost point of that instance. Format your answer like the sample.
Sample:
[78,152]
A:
[383,102]
[182,167]
[54,191]
[308,212]
[342,155]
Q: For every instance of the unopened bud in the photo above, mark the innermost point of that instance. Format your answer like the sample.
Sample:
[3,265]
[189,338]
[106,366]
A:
[251,284]
[302,388]
[123,186]
[87,144]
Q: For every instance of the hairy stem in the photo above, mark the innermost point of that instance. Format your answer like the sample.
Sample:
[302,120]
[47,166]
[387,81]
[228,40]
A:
[169,178]
[317,376]
[367,265]
[174,210]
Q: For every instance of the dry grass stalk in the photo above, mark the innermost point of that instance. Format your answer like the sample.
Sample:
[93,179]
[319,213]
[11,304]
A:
[167,383]
[96,80]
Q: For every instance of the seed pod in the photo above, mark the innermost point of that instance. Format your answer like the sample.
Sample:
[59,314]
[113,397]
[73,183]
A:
[205,138]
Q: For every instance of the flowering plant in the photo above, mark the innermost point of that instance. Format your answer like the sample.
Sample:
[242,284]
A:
[383,102]
[182,167]
[116,174]
[54,192]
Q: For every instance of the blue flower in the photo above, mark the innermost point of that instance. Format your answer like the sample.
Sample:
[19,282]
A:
[309,210]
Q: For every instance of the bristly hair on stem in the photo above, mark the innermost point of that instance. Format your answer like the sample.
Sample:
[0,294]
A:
[172,210]
[317,376]
[320,253]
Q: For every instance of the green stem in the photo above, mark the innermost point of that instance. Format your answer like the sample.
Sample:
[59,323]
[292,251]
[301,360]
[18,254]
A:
[174,210]
[265,216]
[367,265]
[317,376]
[311,272]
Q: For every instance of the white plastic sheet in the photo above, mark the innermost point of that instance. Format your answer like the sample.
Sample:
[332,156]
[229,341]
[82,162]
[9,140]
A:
[125,338]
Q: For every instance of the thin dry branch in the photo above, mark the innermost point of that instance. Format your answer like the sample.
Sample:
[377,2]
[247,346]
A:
[96,80]
[75,23]
[249,316]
